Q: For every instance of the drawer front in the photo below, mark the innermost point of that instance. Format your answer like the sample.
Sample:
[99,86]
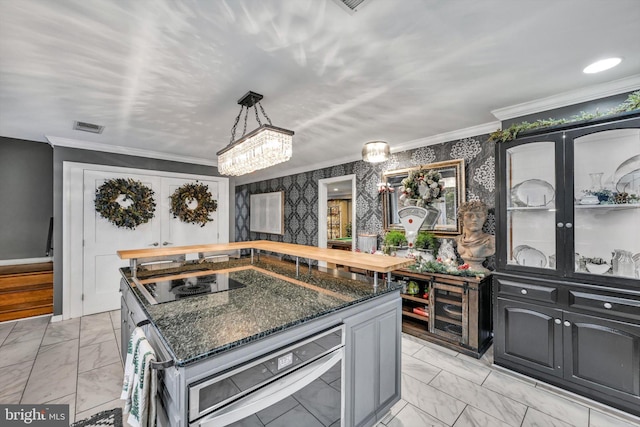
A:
[615,306]
[527,291]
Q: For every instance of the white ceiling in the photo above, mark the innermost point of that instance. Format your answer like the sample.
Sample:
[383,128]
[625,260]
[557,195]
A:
[164,77]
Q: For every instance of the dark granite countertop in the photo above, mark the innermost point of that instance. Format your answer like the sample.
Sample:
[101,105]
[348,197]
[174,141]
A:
[202,326]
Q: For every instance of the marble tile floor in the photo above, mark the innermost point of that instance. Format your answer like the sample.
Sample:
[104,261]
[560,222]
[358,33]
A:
[77,362]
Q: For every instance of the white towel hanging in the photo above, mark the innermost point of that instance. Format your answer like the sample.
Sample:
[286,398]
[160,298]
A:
[140,381]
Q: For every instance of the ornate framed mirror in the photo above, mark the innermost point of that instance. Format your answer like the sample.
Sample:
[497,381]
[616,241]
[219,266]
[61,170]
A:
[451,183]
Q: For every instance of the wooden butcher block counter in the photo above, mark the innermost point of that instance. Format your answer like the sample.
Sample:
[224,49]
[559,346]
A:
[377,263]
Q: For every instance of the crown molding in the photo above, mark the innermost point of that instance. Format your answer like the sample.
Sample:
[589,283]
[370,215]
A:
[56,141]
[482,129]
[422,142]
[616,87]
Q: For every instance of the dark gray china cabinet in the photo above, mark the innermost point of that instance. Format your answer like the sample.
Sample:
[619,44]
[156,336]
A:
[566,293]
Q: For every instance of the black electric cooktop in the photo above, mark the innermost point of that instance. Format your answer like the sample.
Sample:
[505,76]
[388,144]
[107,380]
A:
[175,288]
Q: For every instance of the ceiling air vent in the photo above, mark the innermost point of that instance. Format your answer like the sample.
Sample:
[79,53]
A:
[88,127]
[352,6]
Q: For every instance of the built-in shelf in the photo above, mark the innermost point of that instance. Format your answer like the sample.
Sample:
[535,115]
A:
[609,206]
[415,316]
[416,299]
[532,208]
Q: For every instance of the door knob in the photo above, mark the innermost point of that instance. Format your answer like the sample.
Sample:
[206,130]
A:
[523,291]
[567,323]
[166,243]
[558,321]
[607,305]
[569,225]
[560,225]
[154,244]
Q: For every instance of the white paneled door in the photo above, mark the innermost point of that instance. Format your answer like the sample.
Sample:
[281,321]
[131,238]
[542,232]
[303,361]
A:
[178,233]
[101,239]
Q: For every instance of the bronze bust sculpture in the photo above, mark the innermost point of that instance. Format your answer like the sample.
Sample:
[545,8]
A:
[474,245]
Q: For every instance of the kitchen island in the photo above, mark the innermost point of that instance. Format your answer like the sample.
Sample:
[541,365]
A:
[267,334]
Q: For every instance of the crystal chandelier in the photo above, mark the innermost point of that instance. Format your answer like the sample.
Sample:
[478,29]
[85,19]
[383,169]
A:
[266,146]
[375,151]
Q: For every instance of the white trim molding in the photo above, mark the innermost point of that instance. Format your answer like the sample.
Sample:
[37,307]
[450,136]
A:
[323,197]
[482,129]
[56,141]
[590,93]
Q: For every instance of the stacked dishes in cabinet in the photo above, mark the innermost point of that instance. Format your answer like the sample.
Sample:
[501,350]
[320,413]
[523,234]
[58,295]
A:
[448,308]
[415,300]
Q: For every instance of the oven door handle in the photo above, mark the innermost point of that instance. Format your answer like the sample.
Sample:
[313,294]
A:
[272,393]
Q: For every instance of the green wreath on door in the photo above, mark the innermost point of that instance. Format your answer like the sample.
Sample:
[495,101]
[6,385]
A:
[126,203]
[193,203]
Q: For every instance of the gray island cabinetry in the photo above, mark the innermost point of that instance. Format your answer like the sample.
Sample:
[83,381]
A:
[268,343]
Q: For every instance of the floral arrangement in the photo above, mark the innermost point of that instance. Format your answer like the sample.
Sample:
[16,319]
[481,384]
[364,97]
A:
[444,267]
[135,207]
[423,185]
[182,198]
[613,197]
[384,187]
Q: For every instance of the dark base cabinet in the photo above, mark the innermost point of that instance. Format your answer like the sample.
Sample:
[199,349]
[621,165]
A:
[580,338]
[451,311]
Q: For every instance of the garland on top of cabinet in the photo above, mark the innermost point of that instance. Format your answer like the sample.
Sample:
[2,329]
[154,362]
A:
[182,203]
[505,135]
[126,203]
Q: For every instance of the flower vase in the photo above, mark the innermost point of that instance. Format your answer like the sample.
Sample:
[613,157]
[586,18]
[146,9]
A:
[596,181]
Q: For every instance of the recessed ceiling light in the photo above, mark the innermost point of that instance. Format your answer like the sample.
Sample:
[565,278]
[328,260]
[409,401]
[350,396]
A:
[336,189]
[603,64]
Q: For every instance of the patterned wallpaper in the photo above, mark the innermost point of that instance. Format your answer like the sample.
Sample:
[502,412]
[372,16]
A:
[301,190]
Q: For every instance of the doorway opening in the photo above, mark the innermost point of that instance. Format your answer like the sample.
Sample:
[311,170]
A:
[337,213]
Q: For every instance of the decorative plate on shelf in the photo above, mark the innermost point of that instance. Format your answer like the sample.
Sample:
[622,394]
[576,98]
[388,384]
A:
[627,176]
[532,193]
[529,257]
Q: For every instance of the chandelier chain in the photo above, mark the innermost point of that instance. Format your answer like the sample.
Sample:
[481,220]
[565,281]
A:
[235,125]
[244,131]
[264,113]
[257,116]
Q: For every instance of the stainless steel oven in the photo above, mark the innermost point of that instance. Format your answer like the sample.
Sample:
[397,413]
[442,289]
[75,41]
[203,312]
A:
[299,384]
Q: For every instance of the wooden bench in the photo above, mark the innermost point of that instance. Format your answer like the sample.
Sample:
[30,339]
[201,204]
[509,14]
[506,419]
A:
[26,290]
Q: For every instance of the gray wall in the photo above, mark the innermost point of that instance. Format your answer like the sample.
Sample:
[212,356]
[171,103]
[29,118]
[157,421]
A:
[301,190]
[26,198]
[62,154]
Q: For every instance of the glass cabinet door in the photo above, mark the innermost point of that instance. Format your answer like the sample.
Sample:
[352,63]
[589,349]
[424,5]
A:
[606,177]
[531,204]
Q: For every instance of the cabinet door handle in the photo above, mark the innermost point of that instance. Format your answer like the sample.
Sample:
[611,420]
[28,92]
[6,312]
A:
[523,291]
[558,321]
[166,243]
[567,323]
[607,305]
[154,244]
[569,225]
[560,225]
